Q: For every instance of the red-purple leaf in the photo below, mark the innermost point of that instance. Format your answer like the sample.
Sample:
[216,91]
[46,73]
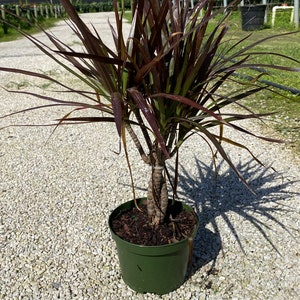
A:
[188,102]
[143,106]
[117,106]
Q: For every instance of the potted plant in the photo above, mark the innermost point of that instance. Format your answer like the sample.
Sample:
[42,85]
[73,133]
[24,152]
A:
[253,15]
[164,84]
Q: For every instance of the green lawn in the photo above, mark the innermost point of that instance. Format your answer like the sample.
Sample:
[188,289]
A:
[287,119]
[13,34]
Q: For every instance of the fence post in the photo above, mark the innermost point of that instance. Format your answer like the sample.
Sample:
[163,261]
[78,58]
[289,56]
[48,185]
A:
[5,27]
[47,12]
[55,11]
[35,11]
[51,10]
[18,10]
[42,10]
[28,14]
[2,12]
[58,11]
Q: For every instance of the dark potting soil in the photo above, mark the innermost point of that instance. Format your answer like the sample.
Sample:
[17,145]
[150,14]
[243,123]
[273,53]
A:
[133,226]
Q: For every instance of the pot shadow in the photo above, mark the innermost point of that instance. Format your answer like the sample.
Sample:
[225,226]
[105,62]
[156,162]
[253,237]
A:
[215,192]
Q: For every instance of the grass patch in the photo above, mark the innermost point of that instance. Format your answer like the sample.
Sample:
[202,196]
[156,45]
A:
[286,104]
[128,16]
[13,34]
[286,121]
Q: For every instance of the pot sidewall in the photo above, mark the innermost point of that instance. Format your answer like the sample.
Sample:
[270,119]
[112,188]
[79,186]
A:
[154,269]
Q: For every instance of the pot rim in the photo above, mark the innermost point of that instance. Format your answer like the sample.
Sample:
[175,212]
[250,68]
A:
[137,246]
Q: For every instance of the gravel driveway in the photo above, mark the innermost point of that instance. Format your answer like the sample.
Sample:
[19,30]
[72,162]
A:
[56,194]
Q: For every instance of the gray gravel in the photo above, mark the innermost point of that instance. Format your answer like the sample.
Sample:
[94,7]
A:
[56,195]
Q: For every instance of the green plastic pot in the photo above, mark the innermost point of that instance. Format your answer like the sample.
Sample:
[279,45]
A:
[152,269]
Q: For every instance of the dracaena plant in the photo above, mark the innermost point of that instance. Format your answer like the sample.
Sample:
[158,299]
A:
[163,84]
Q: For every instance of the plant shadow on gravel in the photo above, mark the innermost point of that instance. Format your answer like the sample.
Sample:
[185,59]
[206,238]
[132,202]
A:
[215,196]
[217,192]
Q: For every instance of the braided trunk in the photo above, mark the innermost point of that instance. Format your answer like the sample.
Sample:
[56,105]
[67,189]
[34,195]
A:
[157,196]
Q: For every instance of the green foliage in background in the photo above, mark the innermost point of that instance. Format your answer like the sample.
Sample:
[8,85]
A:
[287,108]
[23,17]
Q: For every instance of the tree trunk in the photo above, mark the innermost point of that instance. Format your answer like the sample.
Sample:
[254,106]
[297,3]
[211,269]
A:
[157,196]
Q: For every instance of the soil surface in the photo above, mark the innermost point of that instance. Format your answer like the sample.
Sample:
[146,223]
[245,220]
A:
[133,226]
